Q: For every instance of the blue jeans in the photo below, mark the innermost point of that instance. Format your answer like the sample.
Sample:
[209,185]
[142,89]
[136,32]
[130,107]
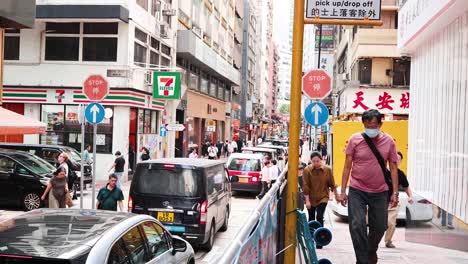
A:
[119,175]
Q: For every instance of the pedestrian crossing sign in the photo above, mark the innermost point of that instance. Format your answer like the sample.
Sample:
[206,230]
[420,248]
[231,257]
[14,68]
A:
[166,85]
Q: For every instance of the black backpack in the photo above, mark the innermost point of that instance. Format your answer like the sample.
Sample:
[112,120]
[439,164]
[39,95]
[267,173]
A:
[72,167]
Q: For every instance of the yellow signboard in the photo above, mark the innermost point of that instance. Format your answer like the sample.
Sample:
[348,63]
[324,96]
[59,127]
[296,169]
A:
[342,131]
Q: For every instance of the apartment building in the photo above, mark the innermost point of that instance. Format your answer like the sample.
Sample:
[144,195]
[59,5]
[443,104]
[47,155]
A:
[206,44]
[124,41]
[273,89]
[370,71]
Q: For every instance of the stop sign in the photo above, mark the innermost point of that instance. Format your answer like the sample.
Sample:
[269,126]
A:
[316,84]
[95,88]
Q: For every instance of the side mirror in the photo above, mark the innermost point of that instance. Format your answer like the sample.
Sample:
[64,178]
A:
[178,245]
[234,179]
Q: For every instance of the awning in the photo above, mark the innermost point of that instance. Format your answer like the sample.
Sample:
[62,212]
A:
[12,123]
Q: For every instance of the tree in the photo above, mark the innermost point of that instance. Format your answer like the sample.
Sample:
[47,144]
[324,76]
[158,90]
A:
[284,109]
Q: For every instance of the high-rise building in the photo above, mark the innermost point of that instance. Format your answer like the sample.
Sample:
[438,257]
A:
[206,44]
[124,42]
[283,38]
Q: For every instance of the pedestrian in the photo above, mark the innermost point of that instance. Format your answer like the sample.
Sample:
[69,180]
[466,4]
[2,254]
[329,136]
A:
[62,162]
[72,176]
[87,155]
[212,151]
[300,173]
[226,149]
[131,158]
[318,182]
[118,167]
[274,171]
[266,182]
[193,154]
[259,141]
[110,195]
[368,188]
[57,189]
[324,152]
[145,154]
[220,146]
[230,149]
[393,212]
[234,146]
[240,145]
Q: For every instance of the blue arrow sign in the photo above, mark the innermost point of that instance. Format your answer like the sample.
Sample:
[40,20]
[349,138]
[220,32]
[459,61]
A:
[94,113]
[162,131]
[316,114]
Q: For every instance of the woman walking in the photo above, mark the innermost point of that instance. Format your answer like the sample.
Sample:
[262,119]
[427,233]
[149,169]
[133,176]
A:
[62,163]
[145,154]
[318,182]
[58,189]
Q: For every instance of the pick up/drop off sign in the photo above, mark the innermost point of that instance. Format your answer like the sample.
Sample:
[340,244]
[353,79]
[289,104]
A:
[344,9]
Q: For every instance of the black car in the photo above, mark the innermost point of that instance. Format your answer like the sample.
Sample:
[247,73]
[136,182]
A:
[50,153]
[191,197]
[23,179]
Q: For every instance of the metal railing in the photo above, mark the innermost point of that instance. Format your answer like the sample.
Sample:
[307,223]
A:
[235,247]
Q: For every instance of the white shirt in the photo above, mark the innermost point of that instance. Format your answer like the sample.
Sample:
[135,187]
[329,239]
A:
[193,155]
[234,144]
[212,151]
[274,172]
[265,174]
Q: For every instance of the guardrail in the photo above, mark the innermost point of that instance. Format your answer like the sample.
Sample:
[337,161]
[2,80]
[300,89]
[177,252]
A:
[275,195]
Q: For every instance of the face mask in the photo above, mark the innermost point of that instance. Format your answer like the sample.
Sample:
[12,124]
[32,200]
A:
[372,133]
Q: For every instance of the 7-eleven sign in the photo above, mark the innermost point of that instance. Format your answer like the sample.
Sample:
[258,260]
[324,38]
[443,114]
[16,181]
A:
[166,85]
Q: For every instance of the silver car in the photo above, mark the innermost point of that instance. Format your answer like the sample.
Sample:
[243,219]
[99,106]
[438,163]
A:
[89,236]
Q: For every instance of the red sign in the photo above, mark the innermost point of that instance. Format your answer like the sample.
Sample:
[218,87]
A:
[95,88]
[316,84]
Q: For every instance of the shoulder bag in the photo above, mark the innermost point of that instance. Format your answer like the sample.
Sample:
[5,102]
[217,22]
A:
[386,172]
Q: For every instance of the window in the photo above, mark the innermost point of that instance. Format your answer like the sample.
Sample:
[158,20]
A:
[140,54]
[12,44]
[135,246]
[154,122]
[213,87]
[143,4]
[166,50]
[6,165]
[172,182]
[148,121]
[157,239]
[99,41]
[156,9]
[141,120]
[204,85]
[365,71]
[401,72]
[147,125]
[165,61]
[154,59]
[117,254]
[63,128]
[140,35]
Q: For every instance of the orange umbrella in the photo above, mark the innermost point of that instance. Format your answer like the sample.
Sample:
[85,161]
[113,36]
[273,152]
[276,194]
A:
[12,123]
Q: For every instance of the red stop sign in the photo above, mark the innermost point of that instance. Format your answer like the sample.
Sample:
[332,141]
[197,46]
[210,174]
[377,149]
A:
[316,84]
[95,88]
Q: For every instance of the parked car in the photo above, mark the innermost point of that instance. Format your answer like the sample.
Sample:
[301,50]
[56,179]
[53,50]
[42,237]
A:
[419,211]
[248,167]
[89,237]
[50,154]
[266,152]
[191,197]
[23,179]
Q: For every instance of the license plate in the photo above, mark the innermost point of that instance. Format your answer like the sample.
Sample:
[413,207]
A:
[244,180]
[166,217]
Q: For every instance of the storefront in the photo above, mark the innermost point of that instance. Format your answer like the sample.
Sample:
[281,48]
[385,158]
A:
[137,124]
[206,119]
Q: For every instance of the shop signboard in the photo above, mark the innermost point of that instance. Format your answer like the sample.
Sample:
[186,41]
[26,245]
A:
[166,85]
[387,101]
[344,9]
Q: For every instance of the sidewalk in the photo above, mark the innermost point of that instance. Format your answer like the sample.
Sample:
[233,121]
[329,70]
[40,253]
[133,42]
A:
[87,195]
[340,250]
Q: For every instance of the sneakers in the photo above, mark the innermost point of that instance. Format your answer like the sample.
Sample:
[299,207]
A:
[450,227]
[390,244]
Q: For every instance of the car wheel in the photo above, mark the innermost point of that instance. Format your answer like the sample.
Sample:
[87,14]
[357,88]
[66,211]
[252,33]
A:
[224,228]
[209,244]
[31,201]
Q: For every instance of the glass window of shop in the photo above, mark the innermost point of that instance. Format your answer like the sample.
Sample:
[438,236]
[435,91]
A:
[213,87]
[204,83]
[148,121]
[63,128]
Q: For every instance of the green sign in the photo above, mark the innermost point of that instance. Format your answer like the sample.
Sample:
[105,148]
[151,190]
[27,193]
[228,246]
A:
[166,85]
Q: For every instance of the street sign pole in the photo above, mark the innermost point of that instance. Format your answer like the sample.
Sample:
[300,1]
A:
[94,167]
[82,120]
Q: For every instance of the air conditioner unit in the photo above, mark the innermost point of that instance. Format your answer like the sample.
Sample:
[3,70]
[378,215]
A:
[169,12]
[148,78]
[164,31]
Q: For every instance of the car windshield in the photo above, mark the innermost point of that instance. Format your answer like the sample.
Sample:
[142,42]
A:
[171,182]
[74,155]
[35,164]
[242,164]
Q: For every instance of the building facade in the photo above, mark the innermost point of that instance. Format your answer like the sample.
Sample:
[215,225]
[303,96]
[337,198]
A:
[370,71]
[206,44]
[123,41]
[435,36]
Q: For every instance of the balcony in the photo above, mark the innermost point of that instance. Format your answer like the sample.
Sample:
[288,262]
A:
[375,42]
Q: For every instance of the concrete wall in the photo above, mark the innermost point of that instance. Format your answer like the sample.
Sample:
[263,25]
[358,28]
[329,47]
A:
[32,111]
[379,66]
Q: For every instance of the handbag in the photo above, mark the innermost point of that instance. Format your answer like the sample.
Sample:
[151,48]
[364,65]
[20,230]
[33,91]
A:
[68,199]
[386,172]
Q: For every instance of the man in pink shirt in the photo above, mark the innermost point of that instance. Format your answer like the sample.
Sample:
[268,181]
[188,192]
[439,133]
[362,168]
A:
[368,189]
